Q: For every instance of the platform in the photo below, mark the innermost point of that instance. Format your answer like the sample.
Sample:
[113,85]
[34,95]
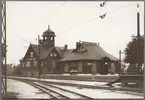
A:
[83,84]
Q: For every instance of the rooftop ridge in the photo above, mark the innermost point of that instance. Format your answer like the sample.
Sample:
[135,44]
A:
[89,43]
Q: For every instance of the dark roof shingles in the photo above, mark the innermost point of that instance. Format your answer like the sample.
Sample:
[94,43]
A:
[94,52]
[43,52]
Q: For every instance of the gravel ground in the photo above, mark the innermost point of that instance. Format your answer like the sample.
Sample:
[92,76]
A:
[104,94]
[23,90]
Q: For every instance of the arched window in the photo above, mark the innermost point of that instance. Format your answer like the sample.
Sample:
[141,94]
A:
[51,38]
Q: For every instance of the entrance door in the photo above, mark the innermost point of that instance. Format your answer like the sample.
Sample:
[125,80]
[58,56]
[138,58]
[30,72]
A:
[104,65]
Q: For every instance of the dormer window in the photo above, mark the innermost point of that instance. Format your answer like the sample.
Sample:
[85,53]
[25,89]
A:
[53,54]
[31,54]
[81,48]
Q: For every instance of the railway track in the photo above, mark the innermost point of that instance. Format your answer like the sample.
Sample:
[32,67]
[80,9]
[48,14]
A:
[59,93]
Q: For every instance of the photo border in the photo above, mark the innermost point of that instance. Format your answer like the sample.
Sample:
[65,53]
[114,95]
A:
[55,0]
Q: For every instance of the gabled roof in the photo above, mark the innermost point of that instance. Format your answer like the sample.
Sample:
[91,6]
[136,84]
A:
[63,53]
[67,52]
[21,59]
[93,52]
[43,52]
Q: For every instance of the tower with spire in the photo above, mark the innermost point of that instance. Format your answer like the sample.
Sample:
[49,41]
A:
[48,40]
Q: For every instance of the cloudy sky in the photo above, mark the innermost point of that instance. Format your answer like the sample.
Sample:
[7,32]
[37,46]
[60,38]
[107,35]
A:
[71,22]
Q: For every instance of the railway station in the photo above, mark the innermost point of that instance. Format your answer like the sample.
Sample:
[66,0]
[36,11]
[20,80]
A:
[77,70]
[86,58]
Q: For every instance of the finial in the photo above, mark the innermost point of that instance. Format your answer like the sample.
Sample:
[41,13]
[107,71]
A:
[48,26]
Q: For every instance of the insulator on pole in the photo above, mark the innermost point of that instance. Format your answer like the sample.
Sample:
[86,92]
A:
[103,16]
[103,4]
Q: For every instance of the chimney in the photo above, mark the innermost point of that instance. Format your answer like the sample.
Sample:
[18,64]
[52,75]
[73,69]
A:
[77,43]
[65,47]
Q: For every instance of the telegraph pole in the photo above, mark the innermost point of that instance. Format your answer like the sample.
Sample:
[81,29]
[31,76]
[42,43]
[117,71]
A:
[39,68]
[3,45]
[138,37]
[119,61]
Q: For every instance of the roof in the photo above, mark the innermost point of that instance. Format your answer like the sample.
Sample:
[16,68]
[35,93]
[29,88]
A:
[63,53]
[43,52]
[48,32]
[9,65]
[93,52]
[21,59]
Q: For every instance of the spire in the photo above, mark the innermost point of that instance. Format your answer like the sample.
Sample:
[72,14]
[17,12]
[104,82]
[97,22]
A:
[48,27]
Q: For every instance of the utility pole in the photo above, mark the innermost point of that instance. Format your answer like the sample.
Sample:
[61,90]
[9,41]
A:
[119,61]
[138,37]
[39,67]
[3,45]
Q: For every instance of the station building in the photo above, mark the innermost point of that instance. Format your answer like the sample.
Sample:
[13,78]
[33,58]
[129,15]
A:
[43,57]
[87,57]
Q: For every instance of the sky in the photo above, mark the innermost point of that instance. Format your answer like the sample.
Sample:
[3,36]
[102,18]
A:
[71,21]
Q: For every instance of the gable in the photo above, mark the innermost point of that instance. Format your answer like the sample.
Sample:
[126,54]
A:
[29,55]
[54,53]
[80,48]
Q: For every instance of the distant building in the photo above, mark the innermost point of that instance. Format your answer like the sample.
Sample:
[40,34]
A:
[9,69]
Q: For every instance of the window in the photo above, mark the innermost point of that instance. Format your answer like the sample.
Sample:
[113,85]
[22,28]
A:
[28,64]
[23,65]
[35,63]
[51,38]
[53,63]
[31,54]
[53,54]
[81,48]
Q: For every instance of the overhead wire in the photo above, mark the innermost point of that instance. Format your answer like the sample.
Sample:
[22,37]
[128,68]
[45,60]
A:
[119,8]
[54,14]
[63,5]
[95,18]
[56,11]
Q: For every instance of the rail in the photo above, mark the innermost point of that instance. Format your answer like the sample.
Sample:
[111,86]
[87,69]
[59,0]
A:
[63,92]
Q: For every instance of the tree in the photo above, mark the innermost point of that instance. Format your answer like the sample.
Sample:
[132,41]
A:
[131,51]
